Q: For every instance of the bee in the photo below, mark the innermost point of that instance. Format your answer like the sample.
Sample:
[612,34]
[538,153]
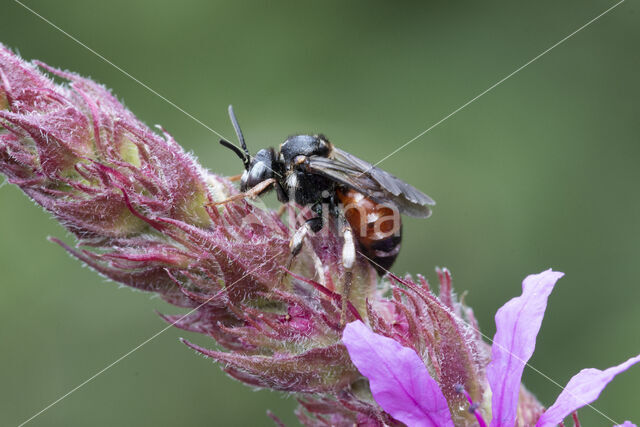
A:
[312,172]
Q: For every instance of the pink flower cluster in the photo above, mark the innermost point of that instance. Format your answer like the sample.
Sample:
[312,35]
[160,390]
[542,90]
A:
[140,208]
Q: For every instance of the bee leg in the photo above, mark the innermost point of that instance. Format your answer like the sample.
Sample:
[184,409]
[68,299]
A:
[348,260]
[234,178]
[281,210]
[297,241]
[313,224]
[251,193]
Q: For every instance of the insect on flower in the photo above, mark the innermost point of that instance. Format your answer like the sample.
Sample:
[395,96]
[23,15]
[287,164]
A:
[134,201]
[365,200]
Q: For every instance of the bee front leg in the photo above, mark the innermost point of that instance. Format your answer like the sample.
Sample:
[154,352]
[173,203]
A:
[348,260]
[281,210]
[251,193]
[235,178]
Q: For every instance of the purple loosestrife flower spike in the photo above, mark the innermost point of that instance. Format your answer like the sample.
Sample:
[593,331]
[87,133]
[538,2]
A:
[138,205]
[136,202]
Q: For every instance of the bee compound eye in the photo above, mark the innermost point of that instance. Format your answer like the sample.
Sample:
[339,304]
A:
[258,173]
[244,180]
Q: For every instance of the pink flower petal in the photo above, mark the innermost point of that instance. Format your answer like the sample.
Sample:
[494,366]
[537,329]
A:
[399,381]
[626,424]
[517,325]
[582,389]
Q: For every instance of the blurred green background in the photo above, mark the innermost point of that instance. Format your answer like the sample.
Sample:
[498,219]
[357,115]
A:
[540,172]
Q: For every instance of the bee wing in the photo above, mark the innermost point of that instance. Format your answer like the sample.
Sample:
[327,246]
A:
[373,182]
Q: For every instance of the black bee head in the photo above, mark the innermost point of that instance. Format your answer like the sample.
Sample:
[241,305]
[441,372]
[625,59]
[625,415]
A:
[256,169]
[260,168]
[304,145]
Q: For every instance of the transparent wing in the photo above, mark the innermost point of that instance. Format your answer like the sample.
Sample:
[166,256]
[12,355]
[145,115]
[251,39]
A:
[373,182]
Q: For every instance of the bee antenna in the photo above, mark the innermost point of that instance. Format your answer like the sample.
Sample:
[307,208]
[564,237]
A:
[236,126]
[239,153]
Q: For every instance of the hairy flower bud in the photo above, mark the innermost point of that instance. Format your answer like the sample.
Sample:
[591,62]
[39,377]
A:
[138,205]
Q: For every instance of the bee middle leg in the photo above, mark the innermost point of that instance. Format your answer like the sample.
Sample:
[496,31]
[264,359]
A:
[296,243]
[314,224]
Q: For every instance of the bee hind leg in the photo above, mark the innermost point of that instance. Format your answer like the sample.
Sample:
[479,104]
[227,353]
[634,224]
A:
[348,260]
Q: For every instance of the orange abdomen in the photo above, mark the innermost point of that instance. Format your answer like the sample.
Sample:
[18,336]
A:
[377,227]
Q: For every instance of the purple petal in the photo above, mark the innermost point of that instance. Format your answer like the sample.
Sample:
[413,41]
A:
[399,381]
[582,389]
[517,325]
[626,424]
